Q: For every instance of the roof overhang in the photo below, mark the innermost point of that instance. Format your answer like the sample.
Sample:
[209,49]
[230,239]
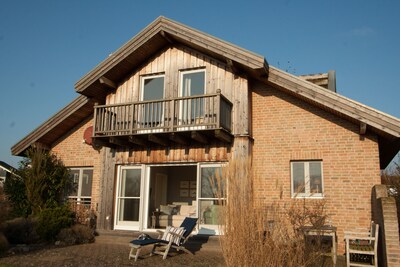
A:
[385,126]
[57,126]
[162,33]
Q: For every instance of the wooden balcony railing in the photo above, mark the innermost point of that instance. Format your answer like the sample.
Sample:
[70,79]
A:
[202,112]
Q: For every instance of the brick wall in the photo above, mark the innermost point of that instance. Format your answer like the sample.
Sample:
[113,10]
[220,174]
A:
[286,128]
[385,214]
[75,153]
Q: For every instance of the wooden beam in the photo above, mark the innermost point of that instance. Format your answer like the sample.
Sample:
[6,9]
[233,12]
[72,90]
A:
[199,137]
[232,67]
[107,82]
[158,140]
[100,142]
[363,128]
[137,140]
[223,136]
[178,138]
[119,142]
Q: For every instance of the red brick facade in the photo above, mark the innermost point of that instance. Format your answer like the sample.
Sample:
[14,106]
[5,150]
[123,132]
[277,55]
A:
[286,128]
[74,152]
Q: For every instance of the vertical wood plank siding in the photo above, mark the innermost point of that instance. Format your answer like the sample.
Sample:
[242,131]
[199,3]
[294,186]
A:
[218,76]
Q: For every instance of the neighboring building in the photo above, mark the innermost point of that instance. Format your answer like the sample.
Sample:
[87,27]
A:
[5,172]
[172,105]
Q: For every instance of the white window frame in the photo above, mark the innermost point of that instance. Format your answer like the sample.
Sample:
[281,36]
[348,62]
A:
[307,193]
[79,198]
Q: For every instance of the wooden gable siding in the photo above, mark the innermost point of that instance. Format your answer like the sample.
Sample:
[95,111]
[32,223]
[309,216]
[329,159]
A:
[213,152]
[175,59]
[171,61]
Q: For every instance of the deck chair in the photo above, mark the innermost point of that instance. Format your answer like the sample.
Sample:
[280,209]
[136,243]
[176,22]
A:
[172,237]
[362,247]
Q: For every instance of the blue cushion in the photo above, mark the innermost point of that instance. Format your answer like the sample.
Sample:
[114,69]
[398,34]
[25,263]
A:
[145,242]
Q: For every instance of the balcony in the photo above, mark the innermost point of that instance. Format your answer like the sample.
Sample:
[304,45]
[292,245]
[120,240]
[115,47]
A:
[182,120]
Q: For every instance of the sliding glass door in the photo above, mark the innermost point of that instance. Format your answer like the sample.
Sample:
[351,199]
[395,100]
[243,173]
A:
[129,198]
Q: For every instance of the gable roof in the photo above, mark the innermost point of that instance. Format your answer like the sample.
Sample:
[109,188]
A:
[164,32]
[7,167]
[160,33]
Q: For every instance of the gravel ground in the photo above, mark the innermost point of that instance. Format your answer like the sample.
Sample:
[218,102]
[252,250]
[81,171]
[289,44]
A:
[113,250]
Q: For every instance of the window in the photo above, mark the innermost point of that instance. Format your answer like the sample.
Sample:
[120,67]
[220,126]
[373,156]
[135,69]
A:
[192,85]
[307,179]
[81,185]
[152,89]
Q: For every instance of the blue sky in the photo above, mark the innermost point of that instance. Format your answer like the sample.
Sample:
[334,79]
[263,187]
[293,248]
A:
[46,46]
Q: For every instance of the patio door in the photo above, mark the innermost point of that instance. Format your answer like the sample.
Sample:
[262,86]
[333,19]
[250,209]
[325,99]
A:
[211,196]
[129,198]
[191,110]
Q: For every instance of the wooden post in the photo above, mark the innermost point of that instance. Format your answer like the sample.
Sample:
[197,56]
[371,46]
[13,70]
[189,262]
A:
[95,119]
[218,109]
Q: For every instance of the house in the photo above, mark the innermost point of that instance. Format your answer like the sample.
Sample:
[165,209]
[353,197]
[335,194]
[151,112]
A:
[6,171]
[168,109]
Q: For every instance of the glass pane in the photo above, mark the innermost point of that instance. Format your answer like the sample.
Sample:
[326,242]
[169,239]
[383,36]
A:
[193,83]
[72,189]
[315,177]
[130,183]
[153,88]
[212,184]
[129,210]
[298,177]
[87,178]
[211,212]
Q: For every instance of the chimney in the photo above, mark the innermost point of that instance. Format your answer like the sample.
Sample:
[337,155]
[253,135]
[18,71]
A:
[332,80]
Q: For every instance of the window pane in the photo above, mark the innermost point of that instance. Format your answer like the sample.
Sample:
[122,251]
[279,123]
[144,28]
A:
[298,177]
[193,83]
[315,177]
[72,191]
[130,183]
[129,209]
[87,183]
[212,185]
[210,212]
[153,88]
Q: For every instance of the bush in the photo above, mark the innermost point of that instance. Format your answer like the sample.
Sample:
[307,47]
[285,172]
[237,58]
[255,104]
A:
[4,206]
[21,231]
[52,220]
[3,243]
[77,234]
[14,188]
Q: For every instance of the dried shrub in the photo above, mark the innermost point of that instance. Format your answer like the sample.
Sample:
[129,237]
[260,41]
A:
[258,235]
[83,214]
[76,234]
[21,231]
